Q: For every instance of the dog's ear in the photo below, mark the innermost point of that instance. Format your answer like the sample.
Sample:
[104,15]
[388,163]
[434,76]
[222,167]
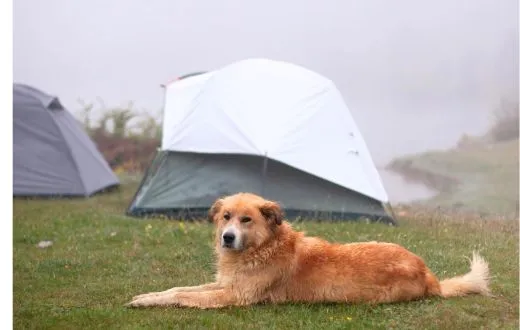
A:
[272,212]
[214,209]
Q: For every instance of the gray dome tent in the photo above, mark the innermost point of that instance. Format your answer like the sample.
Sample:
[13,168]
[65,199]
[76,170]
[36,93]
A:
[52,154]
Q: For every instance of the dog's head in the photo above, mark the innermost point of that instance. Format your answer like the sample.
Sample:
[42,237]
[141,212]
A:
[244,220]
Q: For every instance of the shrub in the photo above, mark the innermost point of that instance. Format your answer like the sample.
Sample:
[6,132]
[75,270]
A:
[505,125]
[126,153]
[127,147]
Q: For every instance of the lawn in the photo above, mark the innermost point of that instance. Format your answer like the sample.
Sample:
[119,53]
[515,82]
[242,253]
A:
[101,258]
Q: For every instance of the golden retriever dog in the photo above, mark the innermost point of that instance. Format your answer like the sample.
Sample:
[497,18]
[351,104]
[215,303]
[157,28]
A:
[261,259]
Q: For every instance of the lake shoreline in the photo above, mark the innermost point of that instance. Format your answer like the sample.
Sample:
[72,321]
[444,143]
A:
[439,183]
[482,177]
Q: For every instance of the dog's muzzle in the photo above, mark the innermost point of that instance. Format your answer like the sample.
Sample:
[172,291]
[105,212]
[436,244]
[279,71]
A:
[229,239]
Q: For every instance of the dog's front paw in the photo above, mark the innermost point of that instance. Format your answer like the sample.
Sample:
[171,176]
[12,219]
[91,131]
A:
[153,300]
[145,295]
[140,302]
[155,294]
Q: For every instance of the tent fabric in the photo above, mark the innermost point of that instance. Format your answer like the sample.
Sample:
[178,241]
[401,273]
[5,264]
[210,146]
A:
[275,109]
[52,154]
[185,185]
[177,102]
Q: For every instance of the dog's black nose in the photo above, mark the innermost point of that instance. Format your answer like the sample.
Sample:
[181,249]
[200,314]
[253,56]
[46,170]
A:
[228,238]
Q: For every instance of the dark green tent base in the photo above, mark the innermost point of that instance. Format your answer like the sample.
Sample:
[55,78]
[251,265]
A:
[290,215]
[184,185]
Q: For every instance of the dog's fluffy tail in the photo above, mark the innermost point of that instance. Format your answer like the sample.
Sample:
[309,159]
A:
[474,282]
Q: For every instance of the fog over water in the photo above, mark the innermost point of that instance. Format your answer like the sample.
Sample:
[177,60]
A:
[415,74]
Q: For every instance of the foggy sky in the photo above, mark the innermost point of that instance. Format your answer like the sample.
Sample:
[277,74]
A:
[403,66]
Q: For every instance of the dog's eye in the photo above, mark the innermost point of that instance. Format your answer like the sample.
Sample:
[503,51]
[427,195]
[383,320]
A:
[245,219]
[227,216]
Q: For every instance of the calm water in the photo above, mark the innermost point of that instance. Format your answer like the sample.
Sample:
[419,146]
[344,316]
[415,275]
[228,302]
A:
[403,131]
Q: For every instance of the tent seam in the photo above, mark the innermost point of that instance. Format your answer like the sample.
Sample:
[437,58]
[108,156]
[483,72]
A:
[69,152]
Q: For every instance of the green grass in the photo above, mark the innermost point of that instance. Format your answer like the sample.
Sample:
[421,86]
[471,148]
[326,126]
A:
[100,259]
[486,176]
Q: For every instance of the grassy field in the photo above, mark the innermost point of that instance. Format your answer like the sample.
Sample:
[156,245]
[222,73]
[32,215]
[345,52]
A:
[481,177]
[100,259]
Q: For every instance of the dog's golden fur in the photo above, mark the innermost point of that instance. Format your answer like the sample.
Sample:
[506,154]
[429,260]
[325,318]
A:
[268,261]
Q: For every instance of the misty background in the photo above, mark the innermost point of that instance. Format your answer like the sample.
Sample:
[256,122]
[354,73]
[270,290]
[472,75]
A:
[416,75]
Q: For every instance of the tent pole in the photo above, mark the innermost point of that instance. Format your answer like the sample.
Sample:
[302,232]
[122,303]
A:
[264,173]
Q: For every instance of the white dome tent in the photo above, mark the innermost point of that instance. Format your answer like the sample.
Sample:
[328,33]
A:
[267,127]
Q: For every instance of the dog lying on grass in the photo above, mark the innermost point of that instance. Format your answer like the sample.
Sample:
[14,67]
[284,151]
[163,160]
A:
[261,259]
